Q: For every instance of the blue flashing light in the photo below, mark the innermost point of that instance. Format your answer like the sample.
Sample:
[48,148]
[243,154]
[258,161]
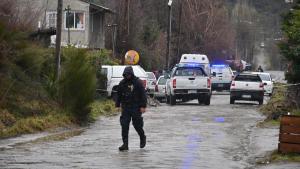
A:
[219,65]
[189,65]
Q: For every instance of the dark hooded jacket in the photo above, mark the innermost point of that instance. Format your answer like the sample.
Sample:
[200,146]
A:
[131,93]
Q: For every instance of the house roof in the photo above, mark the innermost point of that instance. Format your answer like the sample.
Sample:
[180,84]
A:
[97,6]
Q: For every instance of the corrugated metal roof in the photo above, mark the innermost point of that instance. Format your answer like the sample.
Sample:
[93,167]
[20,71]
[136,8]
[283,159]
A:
[98,6]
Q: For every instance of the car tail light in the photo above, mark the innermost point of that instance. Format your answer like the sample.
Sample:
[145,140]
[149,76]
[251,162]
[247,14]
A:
[144,83]
[174,83]
[233,83]
[208,83]
[156,88]
[261,85]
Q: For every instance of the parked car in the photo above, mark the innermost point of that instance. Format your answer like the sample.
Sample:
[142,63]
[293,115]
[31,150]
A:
[188,81]
[222,76]
[115,75]
[160,89]
[247,86]
[266,79]
[151,83]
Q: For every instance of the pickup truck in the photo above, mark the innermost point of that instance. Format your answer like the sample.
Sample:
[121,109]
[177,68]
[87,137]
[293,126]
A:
[114,76]
[188,81]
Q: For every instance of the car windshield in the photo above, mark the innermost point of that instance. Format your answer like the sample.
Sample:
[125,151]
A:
[187,71]
[151,75]
[221,70]
[162,81]
[248,78]
[265,77]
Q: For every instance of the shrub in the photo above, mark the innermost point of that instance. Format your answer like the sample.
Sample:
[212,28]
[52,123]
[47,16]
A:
[6,118]
[77,85]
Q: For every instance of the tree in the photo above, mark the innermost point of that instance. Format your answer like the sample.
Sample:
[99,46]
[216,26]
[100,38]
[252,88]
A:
[290,46]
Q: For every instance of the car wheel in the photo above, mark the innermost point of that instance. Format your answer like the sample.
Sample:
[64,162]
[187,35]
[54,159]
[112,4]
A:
[270,94]
[207,101]
[261,102]
[232,101]
[200,100]
[172,100]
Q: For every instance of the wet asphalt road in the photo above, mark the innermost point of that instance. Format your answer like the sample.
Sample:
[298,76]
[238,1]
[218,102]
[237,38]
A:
[186,136]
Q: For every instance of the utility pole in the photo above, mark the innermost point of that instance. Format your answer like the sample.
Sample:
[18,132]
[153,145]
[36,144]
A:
[113,40]
[58,37]
[68,9]
[180,29]
[169,34]
[128,16]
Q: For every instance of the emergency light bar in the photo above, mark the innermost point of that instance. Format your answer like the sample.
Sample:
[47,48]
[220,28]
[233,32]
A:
[219,65]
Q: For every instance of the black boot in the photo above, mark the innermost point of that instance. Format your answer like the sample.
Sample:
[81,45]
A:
[124,147]
[143,141]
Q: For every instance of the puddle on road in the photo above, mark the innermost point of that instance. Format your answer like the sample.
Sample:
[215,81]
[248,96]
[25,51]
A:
[192,147]
[220,119]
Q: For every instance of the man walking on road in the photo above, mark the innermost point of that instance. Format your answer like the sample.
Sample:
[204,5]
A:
[133,101]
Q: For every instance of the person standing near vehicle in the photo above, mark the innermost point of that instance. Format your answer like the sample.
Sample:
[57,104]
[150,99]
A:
[260,69]
[133,101]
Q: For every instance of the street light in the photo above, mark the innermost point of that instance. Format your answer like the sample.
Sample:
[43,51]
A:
[169,34]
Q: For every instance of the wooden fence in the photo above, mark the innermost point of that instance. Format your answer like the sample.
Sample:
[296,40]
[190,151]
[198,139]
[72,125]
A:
[289,136]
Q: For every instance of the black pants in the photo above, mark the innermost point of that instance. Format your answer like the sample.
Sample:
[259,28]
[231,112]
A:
[137,121]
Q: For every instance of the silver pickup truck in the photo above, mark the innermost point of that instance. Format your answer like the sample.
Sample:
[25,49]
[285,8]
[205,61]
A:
[188,81]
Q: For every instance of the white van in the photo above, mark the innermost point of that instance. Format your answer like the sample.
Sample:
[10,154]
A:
[115,75]
[197,58]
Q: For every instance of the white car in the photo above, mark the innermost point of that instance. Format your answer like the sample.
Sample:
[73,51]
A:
[222,76]
[247,86]
[160,88]
[151,82]
[188,81]
[267,80]
[115,75]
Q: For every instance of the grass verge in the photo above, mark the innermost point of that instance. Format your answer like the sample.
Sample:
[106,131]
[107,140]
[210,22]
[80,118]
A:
[275,157]
[52,120]
[102,108]
[278,157]
[36,124]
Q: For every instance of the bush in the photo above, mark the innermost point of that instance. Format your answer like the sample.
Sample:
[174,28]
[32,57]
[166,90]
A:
[77,83]
[6,119]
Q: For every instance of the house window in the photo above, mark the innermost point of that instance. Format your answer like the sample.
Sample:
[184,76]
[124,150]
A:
[51,19]
[74,20]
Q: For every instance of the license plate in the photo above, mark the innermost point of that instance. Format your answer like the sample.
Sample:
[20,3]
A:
[192,91]
[246,96]
[220,85]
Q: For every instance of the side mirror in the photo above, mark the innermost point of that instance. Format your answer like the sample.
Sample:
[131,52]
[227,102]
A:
[265,84]
[214,74]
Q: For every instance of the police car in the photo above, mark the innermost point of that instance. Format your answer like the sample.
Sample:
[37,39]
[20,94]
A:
[222,76]
[188,81]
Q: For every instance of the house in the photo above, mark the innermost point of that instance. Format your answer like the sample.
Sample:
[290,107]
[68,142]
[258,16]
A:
[83,21]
